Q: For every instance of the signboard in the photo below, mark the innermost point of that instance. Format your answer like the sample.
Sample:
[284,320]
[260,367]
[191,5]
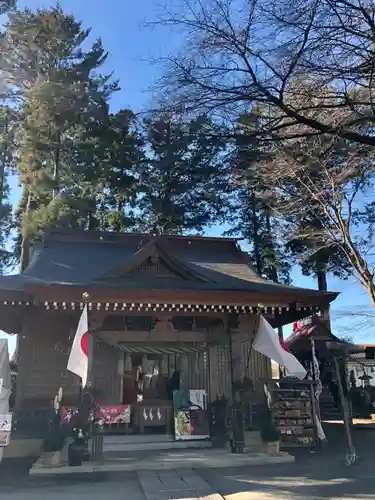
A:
[4,439]
[5,429]
[190,415]
[293,412]
[105,415]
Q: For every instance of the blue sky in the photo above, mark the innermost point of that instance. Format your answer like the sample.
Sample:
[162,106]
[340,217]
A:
[131,48]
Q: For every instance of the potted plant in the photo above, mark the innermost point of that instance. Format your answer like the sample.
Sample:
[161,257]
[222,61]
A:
[218,420]
[270,436]
[76,449]
[52,446]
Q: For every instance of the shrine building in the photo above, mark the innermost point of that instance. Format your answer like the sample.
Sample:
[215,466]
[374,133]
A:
[177,303]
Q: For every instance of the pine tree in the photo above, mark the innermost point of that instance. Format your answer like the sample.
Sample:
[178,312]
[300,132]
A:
[7,5]
[123,156]
[64,102]
[250,212]
[6,149]
[181,180]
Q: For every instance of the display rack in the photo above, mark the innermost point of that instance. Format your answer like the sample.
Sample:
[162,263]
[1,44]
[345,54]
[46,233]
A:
[294,410]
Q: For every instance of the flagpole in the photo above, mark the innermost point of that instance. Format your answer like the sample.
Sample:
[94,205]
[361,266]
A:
[90,354]
[87,403]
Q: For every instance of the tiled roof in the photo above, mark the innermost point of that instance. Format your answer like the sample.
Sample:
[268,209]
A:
[85,258]
[317,329]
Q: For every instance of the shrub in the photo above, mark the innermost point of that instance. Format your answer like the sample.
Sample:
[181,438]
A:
[269,432]
[54,440]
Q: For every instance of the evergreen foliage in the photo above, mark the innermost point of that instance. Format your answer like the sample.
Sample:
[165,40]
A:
[64,106]
[295,190]
[181,181]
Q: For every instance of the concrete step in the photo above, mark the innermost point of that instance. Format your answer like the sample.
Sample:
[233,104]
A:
[164,460]
[118,449]
[138,438]
[253,441]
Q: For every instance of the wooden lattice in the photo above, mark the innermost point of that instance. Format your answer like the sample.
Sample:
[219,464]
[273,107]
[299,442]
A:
[119,322]
[154,267]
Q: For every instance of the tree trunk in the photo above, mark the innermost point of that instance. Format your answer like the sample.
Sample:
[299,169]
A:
[25,243]
[255,236]
[56,173]
[323,287]
[371,292]
[322,281]
[118,226]
[273,271]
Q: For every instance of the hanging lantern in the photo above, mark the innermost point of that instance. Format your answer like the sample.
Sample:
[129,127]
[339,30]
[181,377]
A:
[164,365]
[144,361]
[128,366]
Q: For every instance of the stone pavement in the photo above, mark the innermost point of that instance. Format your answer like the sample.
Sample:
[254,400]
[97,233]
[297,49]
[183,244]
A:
[316,478]
[320,476]
[176,485]
[127,489]
[312,478]
[163,460]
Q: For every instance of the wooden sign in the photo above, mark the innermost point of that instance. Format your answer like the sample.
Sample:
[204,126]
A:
[5,429]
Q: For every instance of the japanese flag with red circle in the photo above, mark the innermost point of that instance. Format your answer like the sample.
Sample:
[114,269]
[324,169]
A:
[78,358]
[267,342]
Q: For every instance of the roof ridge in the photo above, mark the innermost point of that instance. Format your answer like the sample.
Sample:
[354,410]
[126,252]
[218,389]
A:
[111,236]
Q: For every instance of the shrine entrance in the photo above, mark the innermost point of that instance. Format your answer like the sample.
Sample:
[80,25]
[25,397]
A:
[152,373]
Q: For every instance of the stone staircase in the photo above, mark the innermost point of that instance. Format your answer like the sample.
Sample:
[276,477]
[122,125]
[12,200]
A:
[114,446]
[253,442]
[161,452]
[328,409]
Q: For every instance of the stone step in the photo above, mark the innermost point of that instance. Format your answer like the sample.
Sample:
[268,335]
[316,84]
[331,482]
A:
[138,438]
[118,449]
[252,437]
[164,460]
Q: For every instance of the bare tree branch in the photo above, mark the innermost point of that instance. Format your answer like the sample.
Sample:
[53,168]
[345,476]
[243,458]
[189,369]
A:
[243,52]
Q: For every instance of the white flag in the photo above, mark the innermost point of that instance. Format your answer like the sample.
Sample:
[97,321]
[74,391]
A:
[267,342]
[78,358]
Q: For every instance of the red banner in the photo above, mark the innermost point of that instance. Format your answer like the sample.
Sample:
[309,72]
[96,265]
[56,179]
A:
[105,415]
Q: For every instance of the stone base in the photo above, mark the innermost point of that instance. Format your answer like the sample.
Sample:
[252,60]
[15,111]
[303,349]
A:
[51,459]
[272,449]
[168,460]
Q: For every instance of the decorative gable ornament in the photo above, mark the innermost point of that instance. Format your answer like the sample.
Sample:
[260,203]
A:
[153,260]
[164,325]
[155,266]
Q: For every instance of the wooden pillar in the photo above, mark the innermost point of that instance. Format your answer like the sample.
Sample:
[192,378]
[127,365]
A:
[120,373]
[213,372]
[236,370]
[183,366]
[244,335]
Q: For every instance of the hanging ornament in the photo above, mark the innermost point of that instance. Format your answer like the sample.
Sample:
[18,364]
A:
[60,395]
[121,366]
[196,363]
